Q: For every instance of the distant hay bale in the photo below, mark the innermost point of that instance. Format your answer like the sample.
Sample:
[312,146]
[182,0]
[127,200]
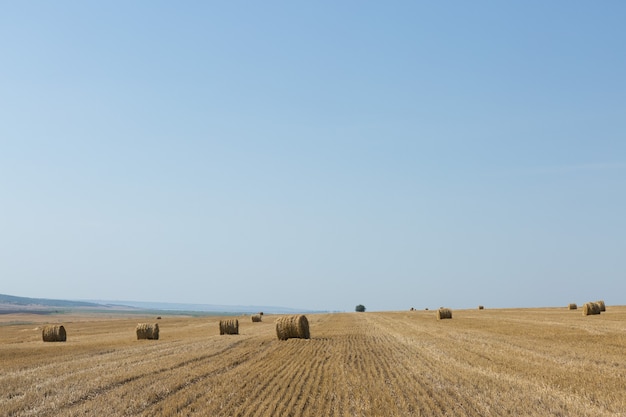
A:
[590,309]
[602,305]
[159,318]
[53,333]
[147,331]
[256,318]
[444,313]
[260,313]
[426,309]
[230,326]
[412,309]
[296,327]
[481,307]
[572,306]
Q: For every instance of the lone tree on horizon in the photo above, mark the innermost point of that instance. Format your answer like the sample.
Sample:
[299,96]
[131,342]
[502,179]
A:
[360,308]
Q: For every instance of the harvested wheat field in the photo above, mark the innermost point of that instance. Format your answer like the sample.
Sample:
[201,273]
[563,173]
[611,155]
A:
[496,362]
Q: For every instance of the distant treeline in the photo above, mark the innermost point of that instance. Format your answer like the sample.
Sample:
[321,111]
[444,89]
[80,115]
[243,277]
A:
[25,310]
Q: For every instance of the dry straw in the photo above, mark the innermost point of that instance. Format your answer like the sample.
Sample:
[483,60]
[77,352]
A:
[147,331]
[590,309]
[572,306]
[54,333]
[444,313]
[256,318]
[602,305]
[288,327]
[229,326]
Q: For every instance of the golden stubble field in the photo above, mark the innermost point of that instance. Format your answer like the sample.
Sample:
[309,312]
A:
[509,362]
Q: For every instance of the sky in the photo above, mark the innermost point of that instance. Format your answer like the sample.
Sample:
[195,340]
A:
[314,155]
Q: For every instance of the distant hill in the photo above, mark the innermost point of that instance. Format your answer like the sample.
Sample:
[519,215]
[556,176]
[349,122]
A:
[12,300]
[14,304]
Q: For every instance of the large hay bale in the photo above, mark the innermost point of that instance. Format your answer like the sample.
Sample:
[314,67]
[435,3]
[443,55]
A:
[256,318]
[230,326]
[444,313]
[481,307]
[602,305]
[590,309]
[296,327]
[147,331]
[53,333]
[572,306]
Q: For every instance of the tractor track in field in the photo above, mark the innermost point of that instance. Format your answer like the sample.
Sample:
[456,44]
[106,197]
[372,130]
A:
[150,368]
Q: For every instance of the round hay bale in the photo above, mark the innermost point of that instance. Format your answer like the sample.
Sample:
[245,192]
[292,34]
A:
[256,318]
[296,327]
[590,309]
[572,306]
[260,313]
[230,326]
[444,313]
[147,331]
[602,305]
[54,333]
[481,307]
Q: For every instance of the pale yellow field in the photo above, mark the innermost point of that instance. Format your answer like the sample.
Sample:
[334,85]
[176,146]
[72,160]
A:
[526,362]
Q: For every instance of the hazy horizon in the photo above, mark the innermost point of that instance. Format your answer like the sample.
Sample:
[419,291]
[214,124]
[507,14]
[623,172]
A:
[271,309]
[314,156]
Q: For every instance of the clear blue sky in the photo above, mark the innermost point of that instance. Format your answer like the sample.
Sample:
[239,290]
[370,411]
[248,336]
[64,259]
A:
[314,155]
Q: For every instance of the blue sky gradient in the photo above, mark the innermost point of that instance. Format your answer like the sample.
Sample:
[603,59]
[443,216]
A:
[315,156]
